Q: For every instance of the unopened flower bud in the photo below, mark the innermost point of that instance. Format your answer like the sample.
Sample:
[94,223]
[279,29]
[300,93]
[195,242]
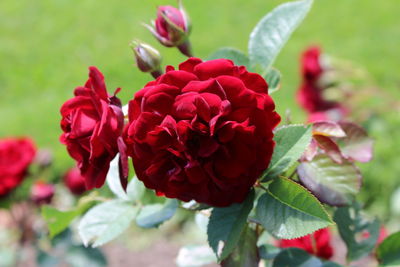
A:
[42,192]
[148,59]
[172,28]
[74,181]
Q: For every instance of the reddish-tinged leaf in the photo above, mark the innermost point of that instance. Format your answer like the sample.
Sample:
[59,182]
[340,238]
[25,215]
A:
[310,152]
[328,128]
[330,148]
[356,145]
[332,183]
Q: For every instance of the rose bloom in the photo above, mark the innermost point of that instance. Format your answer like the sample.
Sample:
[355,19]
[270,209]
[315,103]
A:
[310,94]
[92,122]
[74,181]
[203,132]
[317,243]
[42,192]
[16,154]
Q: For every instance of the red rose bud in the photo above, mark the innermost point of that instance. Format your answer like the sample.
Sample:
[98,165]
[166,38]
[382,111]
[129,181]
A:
[203,132]
[74,181]
[16,155]
[172,28]
[148,59]
[317,243]
[92,123]
[42,192]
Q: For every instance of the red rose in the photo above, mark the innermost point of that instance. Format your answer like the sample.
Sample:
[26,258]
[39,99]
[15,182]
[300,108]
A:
[16,154]
[202,132]
[42,192]
[92,122]
[317,243]
[74,181]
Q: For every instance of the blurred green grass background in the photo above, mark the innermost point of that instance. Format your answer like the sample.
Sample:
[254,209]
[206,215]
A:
[47,45]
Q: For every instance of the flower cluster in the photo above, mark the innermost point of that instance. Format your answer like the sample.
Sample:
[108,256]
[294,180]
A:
[202,132]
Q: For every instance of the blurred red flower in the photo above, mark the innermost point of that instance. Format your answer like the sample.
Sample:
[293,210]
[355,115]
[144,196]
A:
[16,154]
[317,243]
[310,94]
[202,132]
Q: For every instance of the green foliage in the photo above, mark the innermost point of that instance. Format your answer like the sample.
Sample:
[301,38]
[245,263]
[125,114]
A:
[237,56]
[106,221]
[246,252]
[273,78]
[351,225]
[388,252]
[289,211]
[155,214]
[294,257]
[64,252]
[274,30]
[332,183]
[57,220]
[291,142]
[226,225]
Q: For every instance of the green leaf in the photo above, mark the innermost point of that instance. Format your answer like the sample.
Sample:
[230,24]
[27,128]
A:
[332,183]
[237,56]
[57,221]
[106,221]
[295,257]
[351,225]
[226,225]
[195,256]
[273,78]
[388,252]
[80,256]
[289,211]
[291,142]
[155,214]
[246,252]
[135,189]
[268,251]
[274,30]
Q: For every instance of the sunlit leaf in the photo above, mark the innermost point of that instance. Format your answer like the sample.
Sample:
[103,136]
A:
[274,30]
[291,142]
[289,211]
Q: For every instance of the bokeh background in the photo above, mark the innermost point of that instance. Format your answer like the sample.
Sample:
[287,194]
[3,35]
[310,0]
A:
[47,45]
